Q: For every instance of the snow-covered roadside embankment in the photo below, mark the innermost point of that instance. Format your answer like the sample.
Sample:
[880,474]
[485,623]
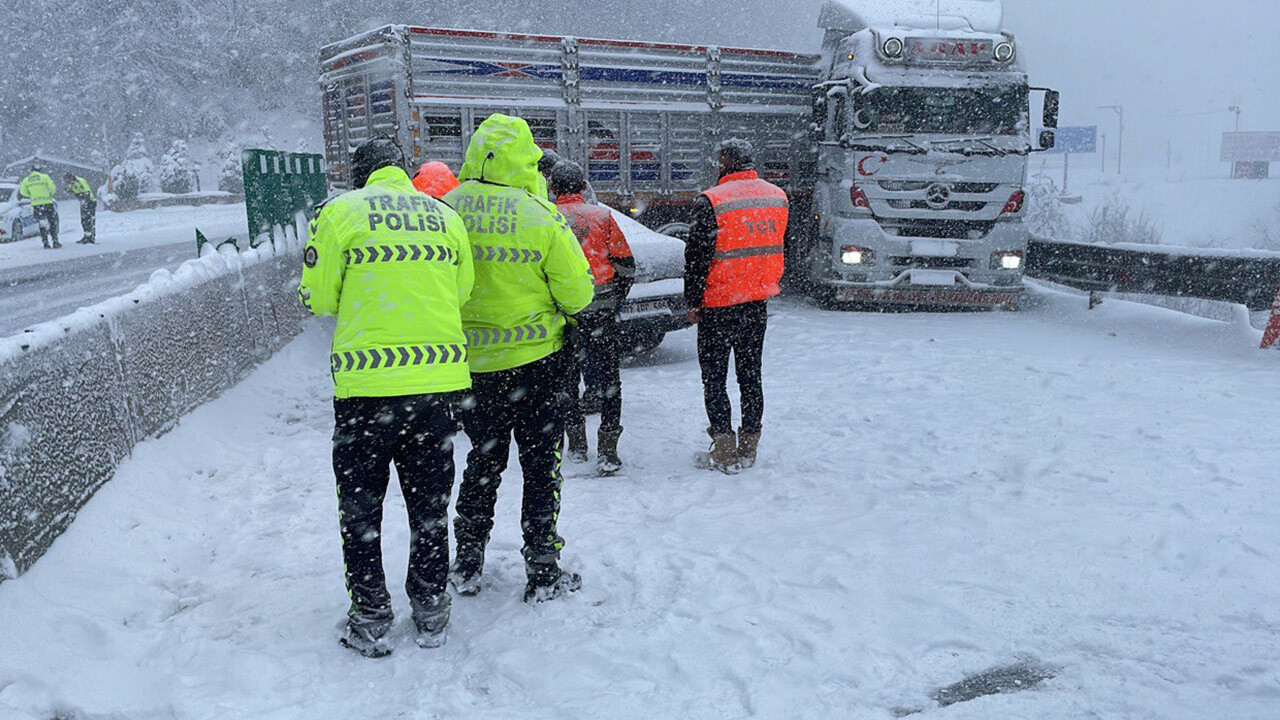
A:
[77,393]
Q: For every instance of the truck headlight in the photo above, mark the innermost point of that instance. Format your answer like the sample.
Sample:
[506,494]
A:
[1007,260]
[855,255]
[1005,52]
[893,48]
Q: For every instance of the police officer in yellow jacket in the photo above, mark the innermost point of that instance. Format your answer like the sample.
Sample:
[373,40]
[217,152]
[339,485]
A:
[40,190]
[530,274]
[395,267]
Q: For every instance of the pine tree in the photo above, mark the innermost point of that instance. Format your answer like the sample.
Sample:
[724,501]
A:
[230,175]
[137,174]
[177,169]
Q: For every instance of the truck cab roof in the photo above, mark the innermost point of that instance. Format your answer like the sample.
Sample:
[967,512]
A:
[848,16]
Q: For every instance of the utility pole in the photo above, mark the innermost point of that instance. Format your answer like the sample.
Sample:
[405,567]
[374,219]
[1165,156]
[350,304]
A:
[1104,153]
[1235,109]
[1119,110]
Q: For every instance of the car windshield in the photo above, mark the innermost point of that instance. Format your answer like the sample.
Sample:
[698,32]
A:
[948,111]
[5,194]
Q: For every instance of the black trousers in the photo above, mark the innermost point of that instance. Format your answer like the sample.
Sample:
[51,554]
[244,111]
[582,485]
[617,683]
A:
[597,360]
[47,217]
[416,433]
[88,219]
[528,403]
[738,329]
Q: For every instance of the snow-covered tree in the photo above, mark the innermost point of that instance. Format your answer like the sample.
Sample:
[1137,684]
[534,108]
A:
[230,175]
[137,174]
[1044,208]
[177,170]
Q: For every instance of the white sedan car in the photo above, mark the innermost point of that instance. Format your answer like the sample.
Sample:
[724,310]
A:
[17,220]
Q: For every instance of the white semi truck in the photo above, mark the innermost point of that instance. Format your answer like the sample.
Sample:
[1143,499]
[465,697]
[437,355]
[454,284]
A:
[923,130]
[905,170]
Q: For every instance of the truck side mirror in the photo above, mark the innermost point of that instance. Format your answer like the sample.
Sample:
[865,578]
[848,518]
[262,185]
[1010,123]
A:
[1052,101]
[1048,139]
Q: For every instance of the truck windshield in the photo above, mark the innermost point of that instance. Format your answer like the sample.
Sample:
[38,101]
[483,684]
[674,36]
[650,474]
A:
[946,111]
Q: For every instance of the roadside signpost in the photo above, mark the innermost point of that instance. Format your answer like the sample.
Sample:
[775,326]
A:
[1251,153]
[277,187]
[1080,140]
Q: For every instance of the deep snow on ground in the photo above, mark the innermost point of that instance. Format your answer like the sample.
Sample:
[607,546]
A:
[937,494]
[129,231]
[1190,211]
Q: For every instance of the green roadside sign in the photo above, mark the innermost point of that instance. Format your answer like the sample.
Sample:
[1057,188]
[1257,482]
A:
[277,187]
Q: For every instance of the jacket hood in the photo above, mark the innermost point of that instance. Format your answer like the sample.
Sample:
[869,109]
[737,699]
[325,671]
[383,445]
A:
[502,151]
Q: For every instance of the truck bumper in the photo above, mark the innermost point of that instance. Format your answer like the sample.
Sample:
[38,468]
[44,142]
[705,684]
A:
[959,294]
[925,272]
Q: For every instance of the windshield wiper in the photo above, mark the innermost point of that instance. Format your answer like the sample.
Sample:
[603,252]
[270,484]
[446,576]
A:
[984,141]
[866,143]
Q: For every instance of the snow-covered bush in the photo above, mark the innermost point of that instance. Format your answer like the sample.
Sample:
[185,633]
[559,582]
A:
[177,171]
[1115,222]
[1267,229]
[1044,214]
[230,176]
[137,174]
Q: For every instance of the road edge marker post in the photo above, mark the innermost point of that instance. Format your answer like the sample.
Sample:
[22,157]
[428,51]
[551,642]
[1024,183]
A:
[1271,336]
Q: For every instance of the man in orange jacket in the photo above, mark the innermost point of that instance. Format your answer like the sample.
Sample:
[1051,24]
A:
[435,179]
[733,263]
[596,341]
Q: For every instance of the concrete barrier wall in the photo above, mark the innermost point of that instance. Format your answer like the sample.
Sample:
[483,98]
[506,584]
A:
[77,394]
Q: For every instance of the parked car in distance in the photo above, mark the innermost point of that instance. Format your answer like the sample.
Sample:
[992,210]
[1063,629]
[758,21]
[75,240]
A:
[17,220]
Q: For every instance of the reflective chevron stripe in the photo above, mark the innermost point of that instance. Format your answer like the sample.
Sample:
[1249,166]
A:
[496,253]
[397,357]
[495,336]
[402,253]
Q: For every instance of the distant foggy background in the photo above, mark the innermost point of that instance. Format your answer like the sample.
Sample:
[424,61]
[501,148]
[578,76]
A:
[83,76]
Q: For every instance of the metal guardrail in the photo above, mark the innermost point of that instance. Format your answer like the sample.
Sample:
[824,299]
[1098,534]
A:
[1177,272]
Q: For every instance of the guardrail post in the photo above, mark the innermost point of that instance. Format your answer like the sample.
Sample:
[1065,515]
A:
[1272,334]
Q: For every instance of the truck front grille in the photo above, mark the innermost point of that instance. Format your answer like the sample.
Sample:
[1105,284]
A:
[932,263]
[941,229]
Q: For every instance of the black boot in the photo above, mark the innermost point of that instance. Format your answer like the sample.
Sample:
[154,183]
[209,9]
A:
[548,582]
[366,632]
[577,443]
[467,568]
[607,461]
[431,619]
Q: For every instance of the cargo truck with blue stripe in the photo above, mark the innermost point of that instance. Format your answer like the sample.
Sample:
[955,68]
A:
[905,165]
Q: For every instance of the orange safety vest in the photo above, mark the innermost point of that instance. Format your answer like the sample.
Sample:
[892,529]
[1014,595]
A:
[751,217]
[435,179]
[597,232]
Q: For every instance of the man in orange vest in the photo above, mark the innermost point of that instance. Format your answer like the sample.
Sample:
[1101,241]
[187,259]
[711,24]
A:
[733,263]
[613,270]
[435,179]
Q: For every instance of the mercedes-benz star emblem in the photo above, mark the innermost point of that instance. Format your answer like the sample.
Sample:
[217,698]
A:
[937,195]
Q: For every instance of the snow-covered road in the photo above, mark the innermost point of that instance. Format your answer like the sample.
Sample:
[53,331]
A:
[37,285]
[937,495]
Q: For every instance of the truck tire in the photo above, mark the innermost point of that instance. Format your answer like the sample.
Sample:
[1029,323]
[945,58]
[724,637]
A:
[676,229]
